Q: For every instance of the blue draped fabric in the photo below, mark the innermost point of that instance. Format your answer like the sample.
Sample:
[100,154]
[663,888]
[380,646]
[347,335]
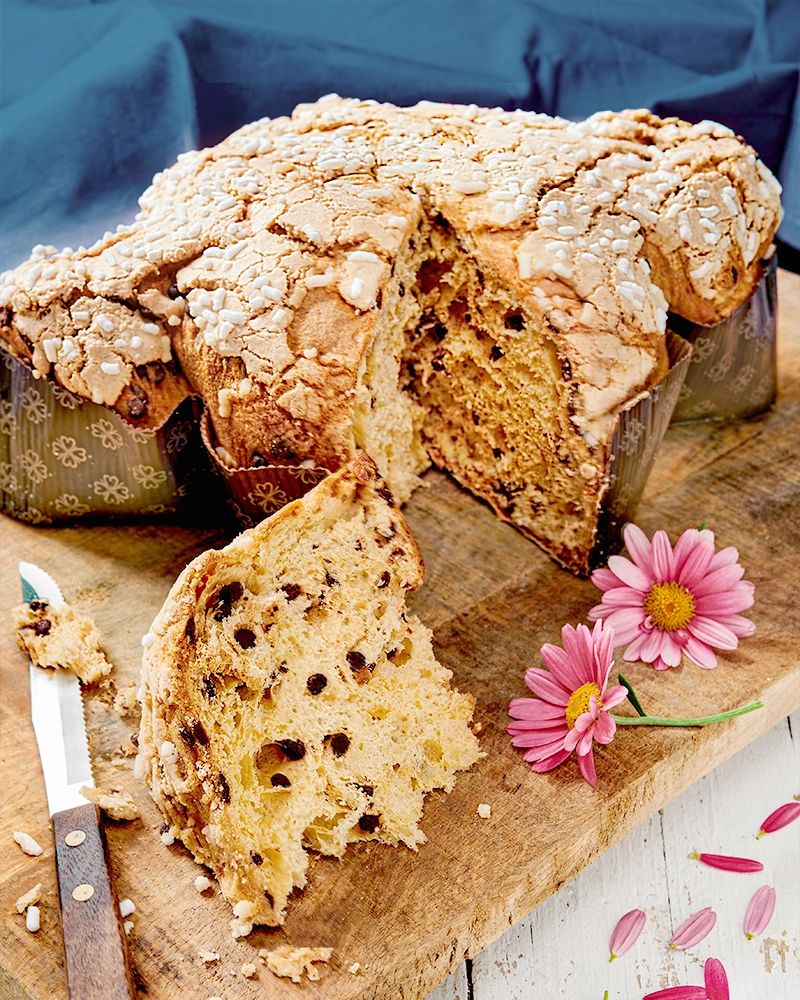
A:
[97,97]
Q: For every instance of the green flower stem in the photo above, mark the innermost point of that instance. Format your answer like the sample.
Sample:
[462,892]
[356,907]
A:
[632,695]
[653,720]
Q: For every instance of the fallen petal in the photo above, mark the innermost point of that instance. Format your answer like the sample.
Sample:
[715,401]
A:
[729,864]
[716,980]
[783,816]
[679,993]
[693,930]
[759,911]
[628,929]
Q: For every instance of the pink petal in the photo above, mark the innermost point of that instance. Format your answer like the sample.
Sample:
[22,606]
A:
[572,739]
[679,993]
[614,695]
[627,931]
[537,737]
[738,625]
[671,652]
[604,728]
[696,565]
[579,648]
[712,633]
[725,557]
[584,721]
[663,560]
[542,766]
[718,581]
[636,542]
[631,654]
[597,612]
[586,764]
[544,686]
[783,816]
[543,752]
[604,579]
[623,597]
[699,653]
[684,547]
[630,574]
[585,745]
[715,980]
[531,709]
[759,911]
[653,645]
[728,863]
[728,603]
[693,930]
[626,623]
[604,640]
[562,666]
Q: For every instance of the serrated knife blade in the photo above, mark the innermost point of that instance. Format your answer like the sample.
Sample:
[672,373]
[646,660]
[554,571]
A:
[94,940]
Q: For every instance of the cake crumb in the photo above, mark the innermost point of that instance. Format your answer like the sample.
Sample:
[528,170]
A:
[30,898]
[201,883]
[292,962]
[125,701]
[32,919]
[127,927]
[207,957]
[60,638]
[484,810]
[354,968]
[27,843]
[248,970]
[115,803]
[126,908]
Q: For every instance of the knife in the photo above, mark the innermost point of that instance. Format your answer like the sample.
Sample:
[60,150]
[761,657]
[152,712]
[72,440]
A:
[94,939]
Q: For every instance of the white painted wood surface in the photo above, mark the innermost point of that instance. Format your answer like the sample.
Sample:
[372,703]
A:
[561,949]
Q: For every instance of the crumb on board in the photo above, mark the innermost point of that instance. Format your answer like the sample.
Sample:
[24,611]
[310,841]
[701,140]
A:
[32,919]
[126,908]
[125,701]
[248,970]
[207,957]
[484,810]
[30,898]
[27,843]
[293,962]
[60,638]
[242,922]
[354,968]
[127,927]
[201,883]
[114,802]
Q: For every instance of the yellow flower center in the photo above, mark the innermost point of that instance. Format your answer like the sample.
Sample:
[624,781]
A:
[669,605]
[579,702]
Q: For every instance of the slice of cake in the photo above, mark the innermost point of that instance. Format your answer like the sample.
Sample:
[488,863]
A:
[290,701]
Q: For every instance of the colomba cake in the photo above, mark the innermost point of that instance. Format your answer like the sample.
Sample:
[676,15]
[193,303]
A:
[478,288]
[289,699]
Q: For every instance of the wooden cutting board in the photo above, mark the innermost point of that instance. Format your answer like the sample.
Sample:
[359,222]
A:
[492,599]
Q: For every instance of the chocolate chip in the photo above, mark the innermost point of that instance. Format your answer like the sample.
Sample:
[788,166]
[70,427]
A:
[268,897]
[566,369]
[258,461]
[209,688]
[356,660]
[437,364]
[191,630]
[5,316]
[316,683]
[245,637]
[340,744]
[187,736]
[43,627]
[369,824]
[384,580]
[514,321]
[497,452]
[174,292]
[495,354]
[38,605]
[368,790]
[164,828]
[280,781]
[225,598]
[256,858]
[224,788]
[293,749]
[199,733]
[137,407]
[281,449]
[401,289]
[292,591]
[135,739]
[383,491]
[330,580]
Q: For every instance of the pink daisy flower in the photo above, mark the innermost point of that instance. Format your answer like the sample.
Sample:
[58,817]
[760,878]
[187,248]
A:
[575,698]
[664,602]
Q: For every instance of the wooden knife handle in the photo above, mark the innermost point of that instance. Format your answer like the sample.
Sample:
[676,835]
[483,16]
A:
[94,941]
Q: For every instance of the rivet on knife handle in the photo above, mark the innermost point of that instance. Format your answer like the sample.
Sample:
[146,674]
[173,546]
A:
[94,941]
